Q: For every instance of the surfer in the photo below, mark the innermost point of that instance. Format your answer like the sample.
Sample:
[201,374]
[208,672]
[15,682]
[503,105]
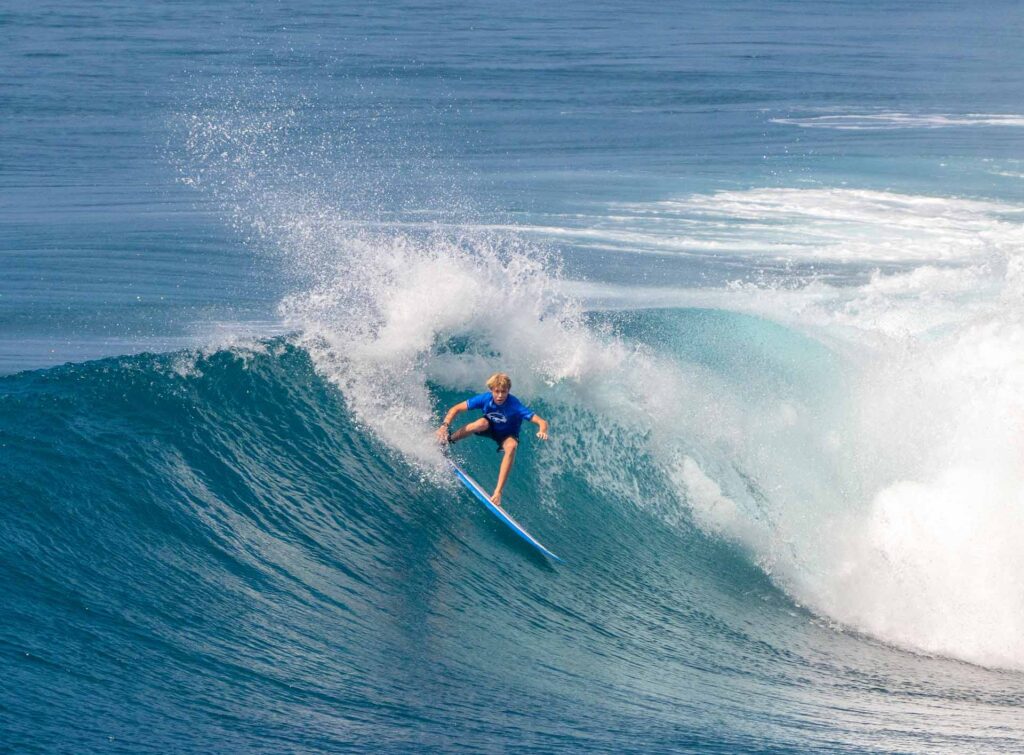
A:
[503,416]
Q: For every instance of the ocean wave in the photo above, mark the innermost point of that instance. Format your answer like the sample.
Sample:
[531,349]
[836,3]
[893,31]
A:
[752,416]
[228,509]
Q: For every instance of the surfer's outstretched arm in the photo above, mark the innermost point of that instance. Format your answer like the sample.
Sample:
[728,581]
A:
[542,423]
[449,417]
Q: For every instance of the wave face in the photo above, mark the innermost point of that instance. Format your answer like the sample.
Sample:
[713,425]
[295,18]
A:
[220,551]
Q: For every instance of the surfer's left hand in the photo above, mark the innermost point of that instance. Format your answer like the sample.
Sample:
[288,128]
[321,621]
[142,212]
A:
[542,435]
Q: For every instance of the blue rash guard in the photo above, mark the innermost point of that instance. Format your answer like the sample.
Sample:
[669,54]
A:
[503,420]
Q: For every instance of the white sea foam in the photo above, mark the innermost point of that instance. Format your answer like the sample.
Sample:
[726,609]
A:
[882,310]
[828,225]
[379,331]
[929,556]
[376,302]
[374,328]
[834,225]
[890,121]
[899,511]
[896,510]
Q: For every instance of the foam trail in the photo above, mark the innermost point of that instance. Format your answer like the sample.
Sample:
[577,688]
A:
[835,225]
[892,121]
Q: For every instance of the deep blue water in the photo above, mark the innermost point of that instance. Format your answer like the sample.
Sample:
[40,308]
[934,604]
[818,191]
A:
[758,263]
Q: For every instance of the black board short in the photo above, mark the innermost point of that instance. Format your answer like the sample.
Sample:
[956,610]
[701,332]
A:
[497,437]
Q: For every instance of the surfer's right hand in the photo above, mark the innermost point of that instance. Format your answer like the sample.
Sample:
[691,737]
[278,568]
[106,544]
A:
[442,435]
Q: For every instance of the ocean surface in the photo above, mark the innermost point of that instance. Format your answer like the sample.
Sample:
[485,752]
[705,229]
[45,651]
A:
[760,264]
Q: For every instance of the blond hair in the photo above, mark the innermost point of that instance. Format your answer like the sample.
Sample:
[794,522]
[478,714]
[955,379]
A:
[499,379]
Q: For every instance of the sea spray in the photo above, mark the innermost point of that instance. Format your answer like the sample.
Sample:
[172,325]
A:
[933,559]
[883,492]
[820,483]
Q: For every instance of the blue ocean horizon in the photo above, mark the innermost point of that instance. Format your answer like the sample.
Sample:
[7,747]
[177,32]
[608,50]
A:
[759,264]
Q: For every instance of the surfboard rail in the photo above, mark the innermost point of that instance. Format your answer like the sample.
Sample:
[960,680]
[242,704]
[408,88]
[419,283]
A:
[481,495]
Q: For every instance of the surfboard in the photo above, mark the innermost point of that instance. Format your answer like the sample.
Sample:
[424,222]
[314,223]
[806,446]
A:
[478,492]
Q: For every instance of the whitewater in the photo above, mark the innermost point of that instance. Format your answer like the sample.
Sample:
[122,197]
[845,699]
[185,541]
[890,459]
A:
[767,288]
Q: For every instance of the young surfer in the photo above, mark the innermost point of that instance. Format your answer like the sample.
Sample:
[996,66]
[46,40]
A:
[503,416]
